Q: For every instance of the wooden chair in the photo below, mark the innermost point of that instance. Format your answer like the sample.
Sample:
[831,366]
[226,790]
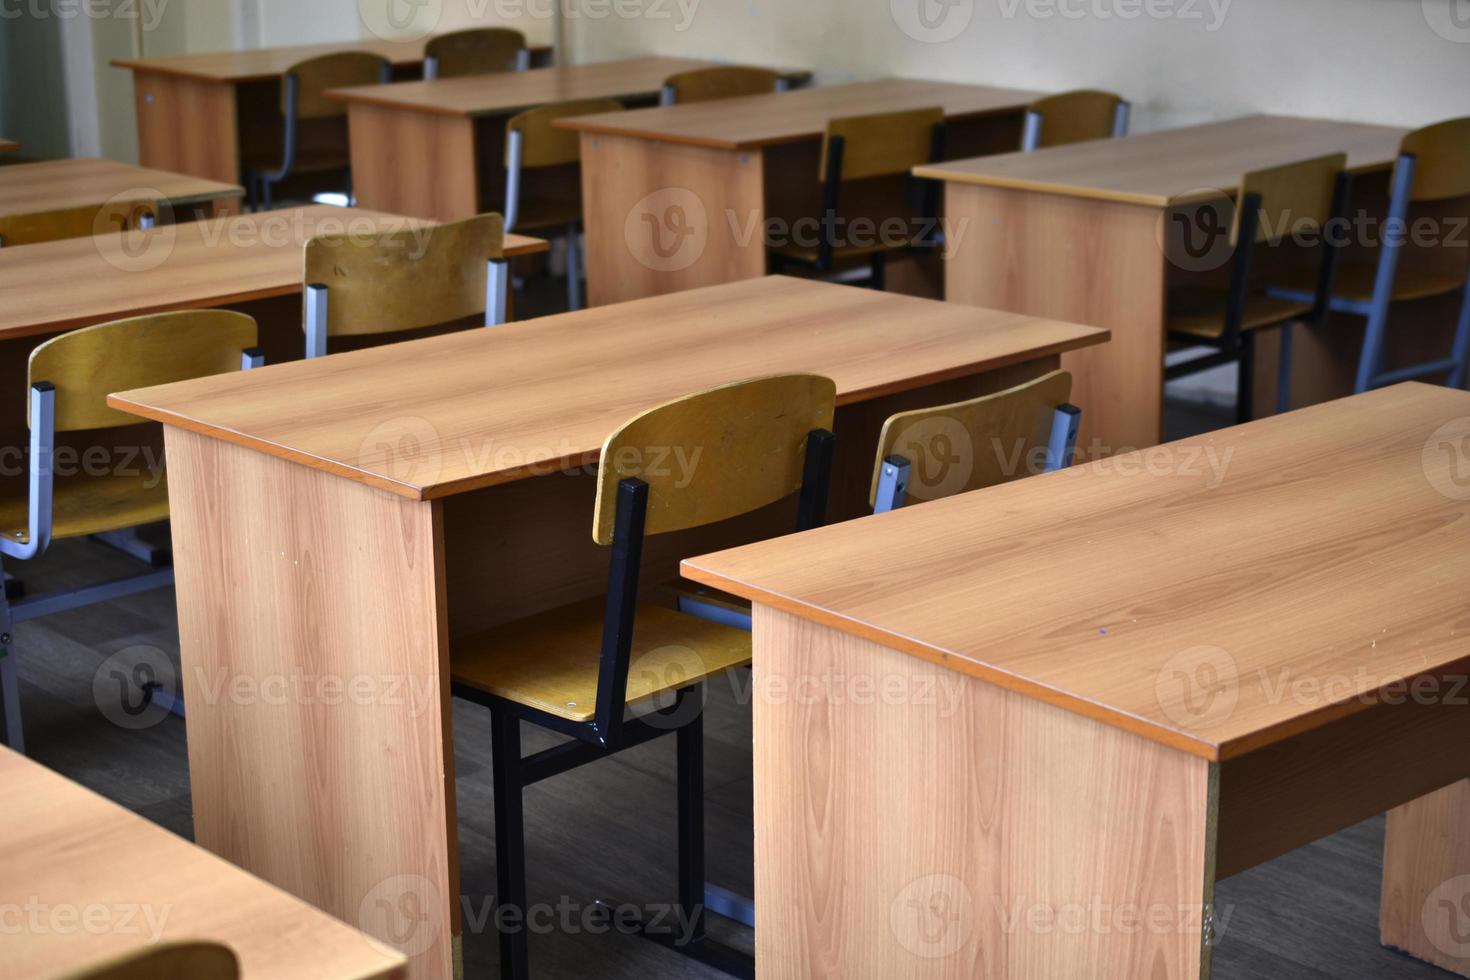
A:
[580,670]
[1072,117]
[477,51]
[1433,166]
[404,280]
[70,379]
[82,222]
[168,961]
[937,452]
[303,99]
[860,148]
[534,150]
[1273,208]
[719,82]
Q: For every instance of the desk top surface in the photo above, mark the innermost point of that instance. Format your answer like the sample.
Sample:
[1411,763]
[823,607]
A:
[68,851]
[489,406]
[480,95]
[789,117]
[1189,163]
[192,265]
[1218,594]
[53,185]
[260,63]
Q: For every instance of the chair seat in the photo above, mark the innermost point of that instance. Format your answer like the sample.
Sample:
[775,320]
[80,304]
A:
[1200,312]
[1355,280]
[550,661]
[83,505]
[542,213]
[309,161]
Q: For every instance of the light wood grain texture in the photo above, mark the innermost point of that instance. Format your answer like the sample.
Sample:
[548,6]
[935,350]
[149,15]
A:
[30,188]
[188,125]
[765,120]
[75,222]
[713,455]
[1442,164]
[220,262]
[477,51]
[880,144]
[1073,117]
[1344,566]
[510,92]
[67,848]
[1426,879]
[1194,162]
[1087,261]
[720,82]
[316,75]
[973,444]
[168,961]
[403,280]
[319,753]
[414,162]
[522,389]
[950,828]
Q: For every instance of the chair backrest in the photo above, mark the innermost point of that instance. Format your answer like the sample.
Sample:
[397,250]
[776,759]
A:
[978,443]
[87,365]
[315,76]
[168,961]
[716,454]
[543,145]
[477,51]
[1442,164]
[405,279]
[78,222]
[1294,197]
[882,144]
[1072,117]
[721,82]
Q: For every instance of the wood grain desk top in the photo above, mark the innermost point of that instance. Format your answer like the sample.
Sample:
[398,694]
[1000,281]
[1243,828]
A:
[482,95]
[262,63]
[8,146]
[1190,163]
[1327,563]
[495,405]
[68,854]
[187,266]
[29,188]
[789,117]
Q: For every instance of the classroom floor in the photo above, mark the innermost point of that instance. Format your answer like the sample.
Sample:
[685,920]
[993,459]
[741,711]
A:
[607,831]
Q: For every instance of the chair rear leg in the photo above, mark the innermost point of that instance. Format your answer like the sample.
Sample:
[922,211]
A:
[1461,354]
[879,278]
[10,731]
[691,827]
[574,270]
[510,844]
[1245,392]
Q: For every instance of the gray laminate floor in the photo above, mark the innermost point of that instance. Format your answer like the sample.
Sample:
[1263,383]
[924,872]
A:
[607,831]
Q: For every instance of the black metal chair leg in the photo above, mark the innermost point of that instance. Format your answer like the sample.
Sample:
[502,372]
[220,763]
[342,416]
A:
[879,278]
[510,845]
[691,826]
[1245,394]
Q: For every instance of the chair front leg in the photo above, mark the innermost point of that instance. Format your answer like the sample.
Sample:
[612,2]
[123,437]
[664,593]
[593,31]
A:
[510,845]
[691,826]
[10,730]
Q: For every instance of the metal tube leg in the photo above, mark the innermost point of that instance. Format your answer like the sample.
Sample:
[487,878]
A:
[1283,373]
[879,280]
[1245,394]
[691,826]
[574,271]
[510,845]
[1462,343]
[10,731]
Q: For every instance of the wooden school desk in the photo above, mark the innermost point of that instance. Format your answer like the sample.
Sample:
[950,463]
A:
[1075,231]
[437,148]
[84,881]
[349,516]
[727,167]
[54,185]
[195,111]
[1081,699]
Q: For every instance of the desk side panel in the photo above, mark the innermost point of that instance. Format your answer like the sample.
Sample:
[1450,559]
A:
[1426,878]
[418,164]
[914,822]
[187,126]
[312,628]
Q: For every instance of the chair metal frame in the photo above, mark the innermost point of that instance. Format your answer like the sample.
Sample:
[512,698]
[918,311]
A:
[515,151]
[1031,134]
[497,292]
[40,488]
[611,732]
